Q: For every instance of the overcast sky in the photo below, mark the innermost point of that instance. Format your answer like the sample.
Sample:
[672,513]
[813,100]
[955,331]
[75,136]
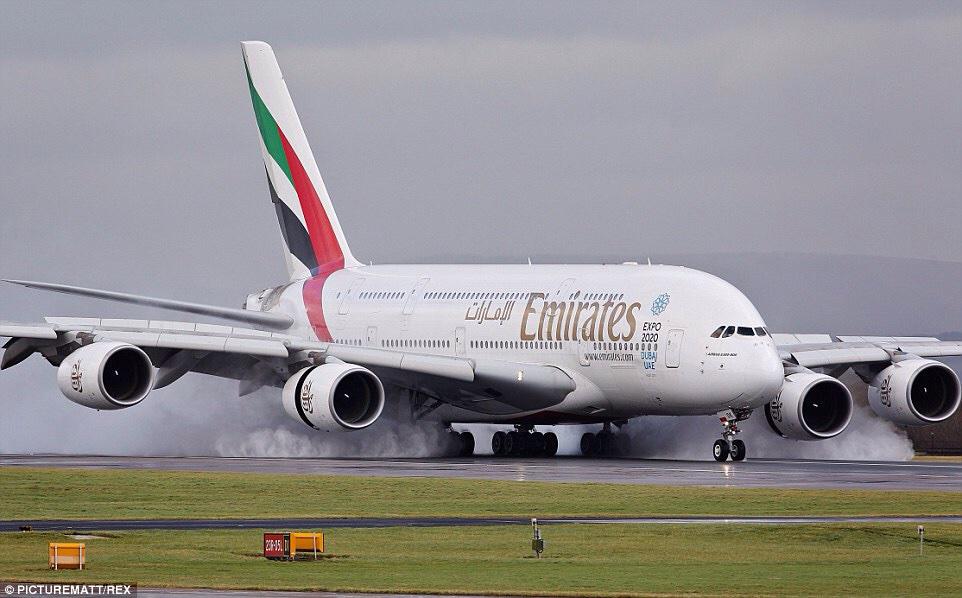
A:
[558,130]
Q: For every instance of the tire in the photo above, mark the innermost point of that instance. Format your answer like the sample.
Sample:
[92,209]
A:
[587,444]
[497,443]
[467,444]
[550,444]
[514,444]
[720,450]
[536,444]
[738,450]
[604,444]
[622,445]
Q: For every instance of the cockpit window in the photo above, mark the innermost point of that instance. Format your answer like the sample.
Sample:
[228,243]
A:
[761,332]
[728,332]
[745,331]
[717,333]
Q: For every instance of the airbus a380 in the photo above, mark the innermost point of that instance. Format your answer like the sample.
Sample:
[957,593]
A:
[517,345]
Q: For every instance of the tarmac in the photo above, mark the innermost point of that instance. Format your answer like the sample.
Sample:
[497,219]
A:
[82,526]
[771,473]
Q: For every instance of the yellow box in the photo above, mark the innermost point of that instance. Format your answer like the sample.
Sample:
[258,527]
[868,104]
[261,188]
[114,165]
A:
[306,544]
[67,555]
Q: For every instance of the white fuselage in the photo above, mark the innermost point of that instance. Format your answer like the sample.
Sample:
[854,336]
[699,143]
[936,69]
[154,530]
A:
[636,339]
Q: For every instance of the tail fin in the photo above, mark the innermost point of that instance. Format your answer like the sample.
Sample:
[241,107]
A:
[313,238]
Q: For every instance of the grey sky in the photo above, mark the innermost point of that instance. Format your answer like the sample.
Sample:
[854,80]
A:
[586,131]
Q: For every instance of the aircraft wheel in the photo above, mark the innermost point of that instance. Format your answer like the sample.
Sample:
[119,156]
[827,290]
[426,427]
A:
[536,444]
[550,444]
[622,444]
[720,450]
[467,444]
[738,450]
[514,444]
[587,444]
[497,443]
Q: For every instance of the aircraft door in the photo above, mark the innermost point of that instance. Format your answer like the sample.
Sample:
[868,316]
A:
[673,348]
[459,340]
[348,297]
[413,297]
[583,353]
[372,336]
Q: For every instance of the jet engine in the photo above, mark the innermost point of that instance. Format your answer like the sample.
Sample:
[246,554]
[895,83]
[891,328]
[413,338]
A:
[915,392]
[334,397]
[810,406]
[106,375]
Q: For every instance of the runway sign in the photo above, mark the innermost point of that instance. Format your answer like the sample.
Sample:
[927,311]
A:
[67,555]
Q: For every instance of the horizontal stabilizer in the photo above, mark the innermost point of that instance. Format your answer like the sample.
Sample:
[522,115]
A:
[256,318]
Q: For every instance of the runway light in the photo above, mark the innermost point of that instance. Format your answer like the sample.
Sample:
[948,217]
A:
[921,538]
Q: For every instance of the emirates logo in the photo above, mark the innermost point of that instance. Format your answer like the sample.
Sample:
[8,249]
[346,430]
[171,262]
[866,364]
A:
[885,391]
[775,409]
[307,398]
[77,378]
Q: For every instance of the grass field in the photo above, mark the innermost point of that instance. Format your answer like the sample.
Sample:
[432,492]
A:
[612,559]
[78,493]
[579,560]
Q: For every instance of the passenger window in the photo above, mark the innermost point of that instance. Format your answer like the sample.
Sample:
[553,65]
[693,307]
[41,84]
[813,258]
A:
[745,331]
[761,332]
[728,332]
[718,332]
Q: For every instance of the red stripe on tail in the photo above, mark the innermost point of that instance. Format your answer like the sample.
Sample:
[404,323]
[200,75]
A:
[323,240]
[327,250]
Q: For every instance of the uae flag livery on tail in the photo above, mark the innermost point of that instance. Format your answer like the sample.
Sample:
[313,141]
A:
[313,240]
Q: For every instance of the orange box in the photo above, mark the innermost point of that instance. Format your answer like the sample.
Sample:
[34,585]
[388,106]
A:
[67,555]
[306,544]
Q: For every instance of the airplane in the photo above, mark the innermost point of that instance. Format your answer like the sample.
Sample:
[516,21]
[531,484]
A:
[517,345]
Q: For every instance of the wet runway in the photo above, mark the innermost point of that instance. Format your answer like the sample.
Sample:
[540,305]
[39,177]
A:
[107,525]
[911,475]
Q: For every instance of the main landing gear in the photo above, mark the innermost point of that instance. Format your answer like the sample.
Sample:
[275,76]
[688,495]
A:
[728,446]
[605,443]
[462,443]
[524,441]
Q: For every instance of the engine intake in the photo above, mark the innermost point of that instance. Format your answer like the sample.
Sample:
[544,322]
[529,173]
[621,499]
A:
[915,392]
[106,375]
[810,406]
[334,396]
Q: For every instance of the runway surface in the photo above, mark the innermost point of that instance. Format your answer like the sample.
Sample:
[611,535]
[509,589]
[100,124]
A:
[105,525]
[910,475]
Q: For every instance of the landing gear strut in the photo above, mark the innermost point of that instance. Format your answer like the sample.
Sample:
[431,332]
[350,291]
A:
[524,441]
[605,443]
[728,445]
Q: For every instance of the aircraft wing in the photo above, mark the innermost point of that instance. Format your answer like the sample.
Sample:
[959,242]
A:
[824,350]
[259,358]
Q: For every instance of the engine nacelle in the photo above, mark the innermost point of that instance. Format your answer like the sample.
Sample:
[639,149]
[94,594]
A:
[810,406]
[334,397]
[915,392]
[106,375]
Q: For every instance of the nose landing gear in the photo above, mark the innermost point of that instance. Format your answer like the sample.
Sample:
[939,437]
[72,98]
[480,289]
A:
[728,446]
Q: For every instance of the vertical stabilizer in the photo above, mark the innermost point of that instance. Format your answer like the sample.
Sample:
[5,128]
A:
[313,238]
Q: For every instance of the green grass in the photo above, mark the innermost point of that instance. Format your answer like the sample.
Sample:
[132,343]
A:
[91,494]
[580,560]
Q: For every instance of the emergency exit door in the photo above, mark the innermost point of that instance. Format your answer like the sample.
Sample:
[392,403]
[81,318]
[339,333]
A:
[673,348]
